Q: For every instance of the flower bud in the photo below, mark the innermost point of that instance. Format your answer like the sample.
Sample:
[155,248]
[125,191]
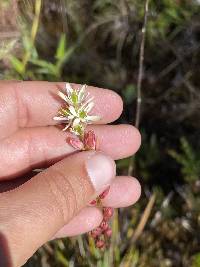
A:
[105,193]
[100,243]
[108,232]
[107,213]
[93,202]
[75,143]
[90,140]
[104,225]
[96,232]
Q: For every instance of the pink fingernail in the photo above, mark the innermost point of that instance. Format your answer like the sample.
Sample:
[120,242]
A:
[101,170]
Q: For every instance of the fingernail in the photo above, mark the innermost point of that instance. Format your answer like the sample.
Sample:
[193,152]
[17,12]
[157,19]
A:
[101,170]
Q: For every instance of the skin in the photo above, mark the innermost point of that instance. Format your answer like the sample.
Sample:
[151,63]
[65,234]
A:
[31,213]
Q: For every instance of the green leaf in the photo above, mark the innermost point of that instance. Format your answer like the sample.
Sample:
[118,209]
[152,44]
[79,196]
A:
[60,52]
[46,67]
[61,259]
[17,64]
[60,62]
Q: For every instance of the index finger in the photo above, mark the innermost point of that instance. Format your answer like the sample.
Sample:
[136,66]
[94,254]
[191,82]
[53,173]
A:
[30,104]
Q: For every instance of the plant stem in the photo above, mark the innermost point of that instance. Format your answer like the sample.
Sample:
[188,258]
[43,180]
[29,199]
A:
[34,30]
[144,218]
[140,76]
[140,227]
[141,65]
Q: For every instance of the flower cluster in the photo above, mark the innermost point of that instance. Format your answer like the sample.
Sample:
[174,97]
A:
[75,114]
[103,232]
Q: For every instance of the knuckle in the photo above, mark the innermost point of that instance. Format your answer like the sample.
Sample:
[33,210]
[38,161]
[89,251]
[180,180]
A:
[22,111]
[63,194]
[35,153]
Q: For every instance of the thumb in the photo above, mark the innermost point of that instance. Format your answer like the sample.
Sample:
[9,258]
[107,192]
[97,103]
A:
[31,214]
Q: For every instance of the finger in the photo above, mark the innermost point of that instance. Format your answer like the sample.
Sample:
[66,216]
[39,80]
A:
[42,146]
[125,186]
[88,219]
[124,191]
[28,104]
[35,211]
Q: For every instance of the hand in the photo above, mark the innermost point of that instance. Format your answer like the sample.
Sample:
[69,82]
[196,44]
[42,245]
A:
[54,203]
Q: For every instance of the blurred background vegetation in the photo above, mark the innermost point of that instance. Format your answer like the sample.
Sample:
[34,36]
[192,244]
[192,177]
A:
[97,42]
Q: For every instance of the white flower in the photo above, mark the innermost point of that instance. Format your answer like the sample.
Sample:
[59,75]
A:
[75,114]
[73,97]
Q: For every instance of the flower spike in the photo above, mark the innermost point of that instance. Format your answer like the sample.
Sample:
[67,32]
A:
[75,115]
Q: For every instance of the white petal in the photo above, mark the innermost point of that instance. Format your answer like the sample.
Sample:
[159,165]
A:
[66,127]
[76,122]
[83,120]
[86,102]
[81,93]
[64,97]
[92,118]
[73,111]
[70,117]
[87,95]
[89,107]
[89,99]
[69,88]
[60,118]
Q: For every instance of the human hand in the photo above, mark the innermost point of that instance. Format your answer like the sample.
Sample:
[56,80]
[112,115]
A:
[54,203]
